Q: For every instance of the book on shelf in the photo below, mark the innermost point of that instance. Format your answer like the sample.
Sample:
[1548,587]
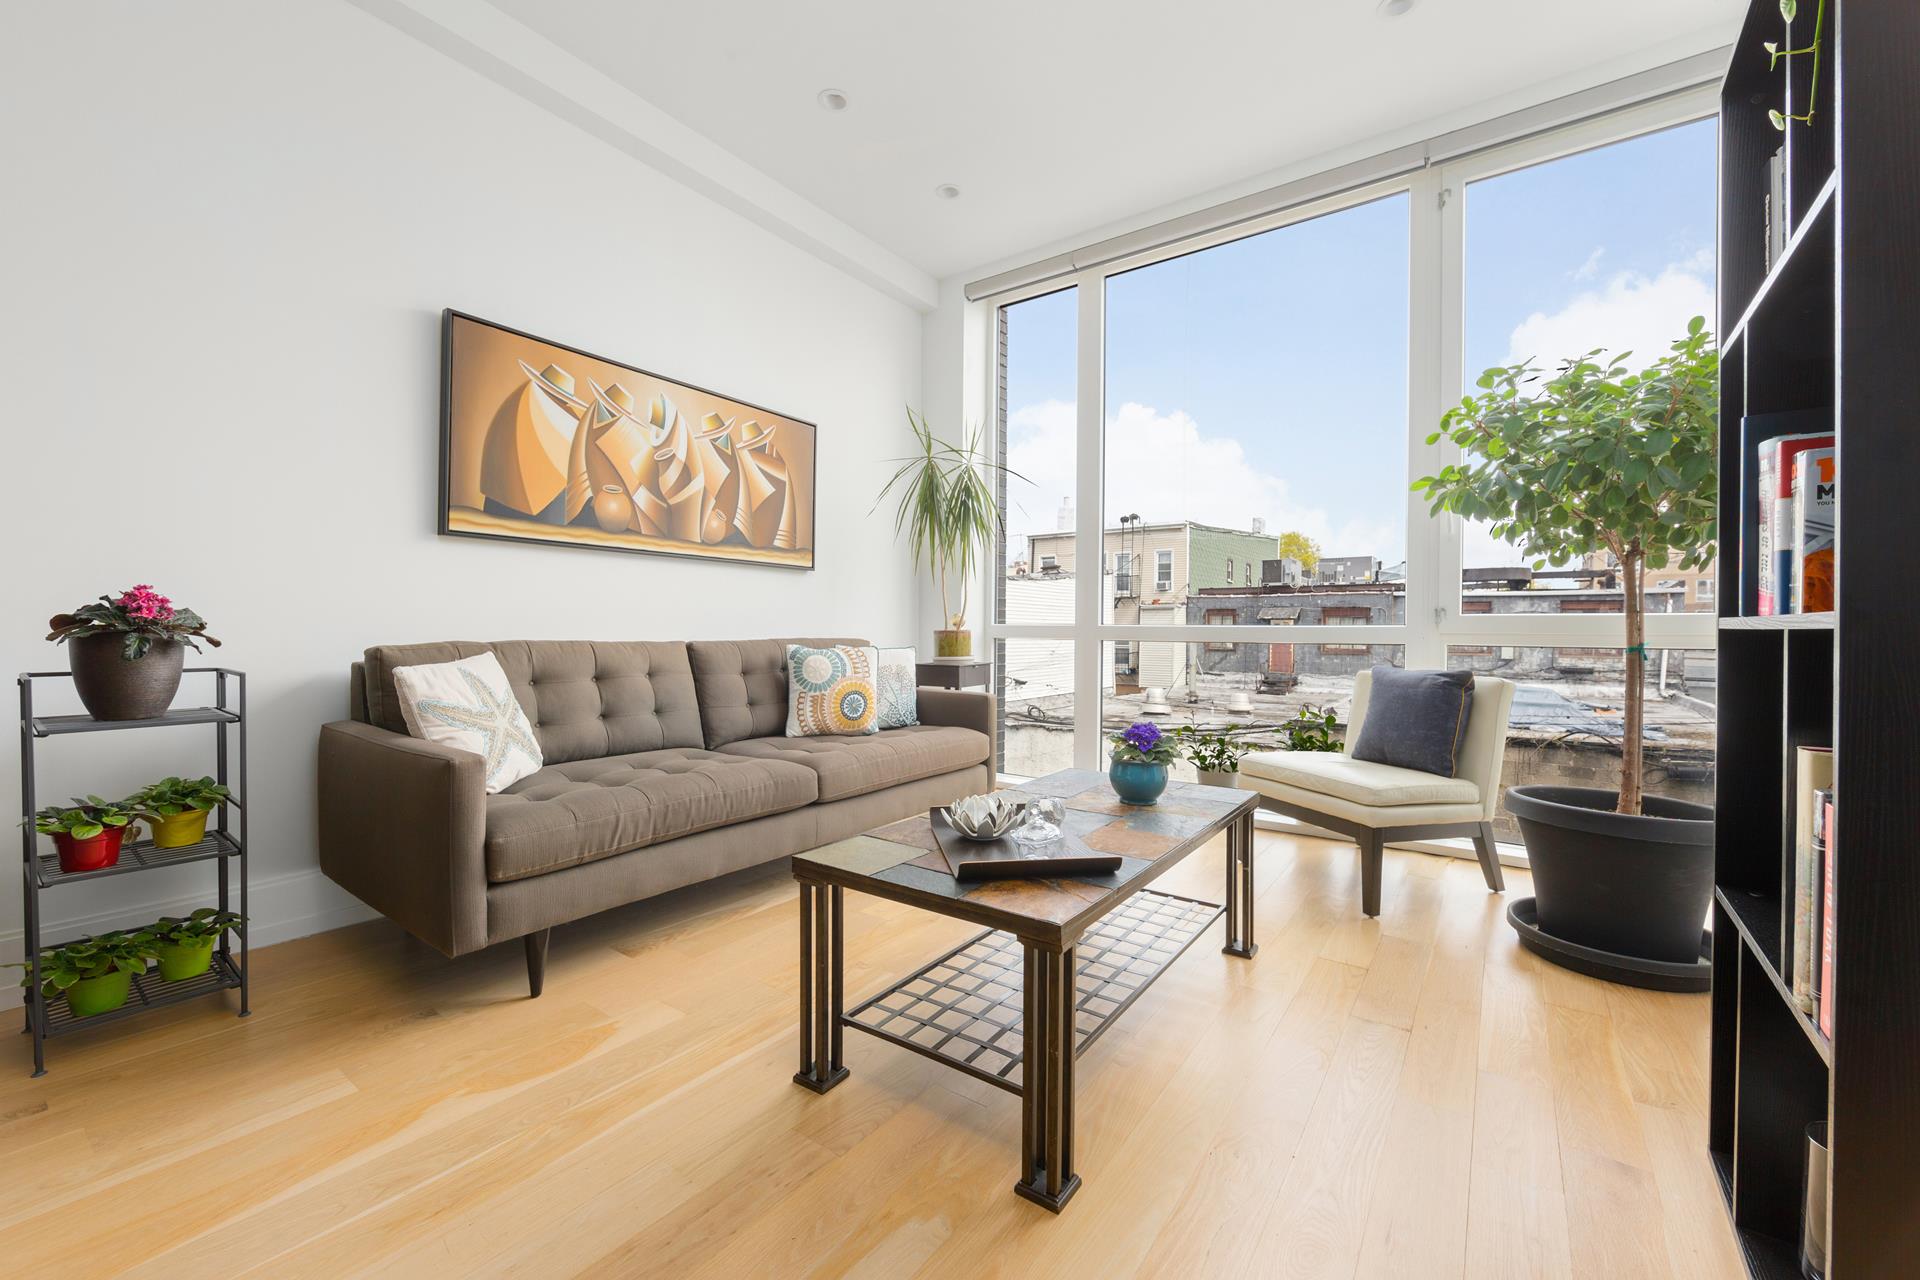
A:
[1822,802]
[1816,490]
[1812,773]
[1829,912]
[1772,508]
[1774,207]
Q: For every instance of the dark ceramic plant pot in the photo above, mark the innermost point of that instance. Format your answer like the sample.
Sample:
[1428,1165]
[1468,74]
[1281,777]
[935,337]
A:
[112,688]
[1629,885]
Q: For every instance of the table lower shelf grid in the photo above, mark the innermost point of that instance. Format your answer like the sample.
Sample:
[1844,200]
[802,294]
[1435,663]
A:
[964,1009]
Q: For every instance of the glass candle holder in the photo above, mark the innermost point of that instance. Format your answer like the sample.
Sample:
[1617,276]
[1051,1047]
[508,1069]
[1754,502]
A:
[1042,824]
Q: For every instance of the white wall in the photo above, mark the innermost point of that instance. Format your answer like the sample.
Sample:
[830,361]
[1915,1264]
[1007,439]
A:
[230,230]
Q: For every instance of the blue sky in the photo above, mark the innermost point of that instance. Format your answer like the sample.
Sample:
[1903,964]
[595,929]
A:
[1267,377]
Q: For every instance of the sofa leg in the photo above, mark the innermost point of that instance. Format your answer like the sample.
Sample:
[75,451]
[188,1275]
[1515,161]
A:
[536,945]
[1372,855]
[1489,859]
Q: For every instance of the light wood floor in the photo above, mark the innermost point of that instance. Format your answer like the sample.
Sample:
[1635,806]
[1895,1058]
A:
[1412,1096]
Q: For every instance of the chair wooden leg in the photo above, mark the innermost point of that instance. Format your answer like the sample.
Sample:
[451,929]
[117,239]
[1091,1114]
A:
[536,945]
[1372,855]
[1483,844]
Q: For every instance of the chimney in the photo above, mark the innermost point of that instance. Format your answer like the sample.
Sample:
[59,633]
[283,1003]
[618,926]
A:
[1259,524]
[1066,515]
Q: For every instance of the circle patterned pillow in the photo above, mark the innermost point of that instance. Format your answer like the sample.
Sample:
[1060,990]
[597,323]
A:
[832,691]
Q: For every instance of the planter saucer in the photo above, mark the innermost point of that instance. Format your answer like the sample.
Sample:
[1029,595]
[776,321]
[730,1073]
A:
[1631,971]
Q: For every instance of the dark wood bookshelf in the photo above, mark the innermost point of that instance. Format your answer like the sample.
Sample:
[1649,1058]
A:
[1825,326]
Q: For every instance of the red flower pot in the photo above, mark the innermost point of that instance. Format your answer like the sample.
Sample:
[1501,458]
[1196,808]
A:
[91,854]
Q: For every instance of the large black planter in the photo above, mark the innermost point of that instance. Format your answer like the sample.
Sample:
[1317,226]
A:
[112,688]
[1632,886]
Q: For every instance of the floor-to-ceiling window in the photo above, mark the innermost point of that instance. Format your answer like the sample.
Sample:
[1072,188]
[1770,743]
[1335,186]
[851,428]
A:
[1244,414]
[1612,248]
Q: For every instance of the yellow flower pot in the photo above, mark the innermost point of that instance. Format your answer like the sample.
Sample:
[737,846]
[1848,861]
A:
[180,830]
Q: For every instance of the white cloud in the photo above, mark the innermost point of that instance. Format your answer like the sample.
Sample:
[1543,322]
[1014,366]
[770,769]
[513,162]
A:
[1590,269]
[1630,312]
[1164,467]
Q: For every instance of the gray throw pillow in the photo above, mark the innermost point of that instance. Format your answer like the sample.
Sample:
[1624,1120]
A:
[1416,719]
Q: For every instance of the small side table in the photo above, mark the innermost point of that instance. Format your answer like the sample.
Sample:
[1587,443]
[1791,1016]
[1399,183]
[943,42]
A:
[954,673]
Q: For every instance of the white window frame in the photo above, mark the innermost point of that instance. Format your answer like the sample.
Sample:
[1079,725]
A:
[1163,569]
[1436,379]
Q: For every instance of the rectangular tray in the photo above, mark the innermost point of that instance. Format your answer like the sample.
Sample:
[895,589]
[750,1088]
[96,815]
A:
[1007,859]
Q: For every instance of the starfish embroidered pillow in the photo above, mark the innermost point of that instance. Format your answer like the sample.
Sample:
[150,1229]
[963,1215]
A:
[832,691]
[469,704]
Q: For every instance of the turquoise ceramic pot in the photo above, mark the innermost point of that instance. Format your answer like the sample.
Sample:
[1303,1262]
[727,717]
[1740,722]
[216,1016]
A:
[1136,781]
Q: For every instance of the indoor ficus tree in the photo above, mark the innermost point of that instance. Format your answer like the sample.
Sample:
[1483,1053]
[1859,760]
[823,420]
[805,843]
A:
[1590,458]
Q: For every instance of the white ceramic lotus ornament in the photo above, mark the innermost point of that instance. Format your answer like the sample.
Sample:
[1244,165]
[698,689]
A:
[985,817]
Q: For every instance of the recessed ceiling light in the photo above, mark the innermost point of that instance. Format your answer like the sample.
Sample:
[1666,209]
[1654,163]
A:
[1394,8]
[832,100]
[947,191]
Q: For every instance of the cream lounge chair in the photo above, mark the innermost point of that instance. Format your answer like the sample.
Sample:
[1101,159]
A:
[1378,803]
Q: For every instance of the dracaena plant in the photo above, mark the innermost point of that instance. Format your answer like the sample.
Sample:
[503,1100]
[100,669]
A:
[947,511]
[85,818]
[139,614]
[171,797]
[1592,457]
[95,957]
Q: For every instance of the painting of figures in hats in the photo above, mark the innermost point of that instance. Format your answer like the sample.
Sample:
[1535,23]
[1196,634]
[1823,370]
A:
[544,443]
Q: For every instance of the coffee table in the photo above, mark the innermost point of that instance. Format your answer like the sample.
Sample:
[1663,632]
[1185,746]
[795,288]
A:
[1059,961]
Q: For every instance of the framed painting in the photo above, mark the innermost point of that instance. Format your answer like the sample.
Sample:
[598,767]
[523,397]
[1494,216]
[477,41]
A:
[542,442]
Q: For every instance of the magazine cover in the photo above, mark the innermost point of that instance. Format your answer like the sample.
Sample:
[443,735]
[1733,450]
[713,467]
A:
[1776,515]
[1815,490]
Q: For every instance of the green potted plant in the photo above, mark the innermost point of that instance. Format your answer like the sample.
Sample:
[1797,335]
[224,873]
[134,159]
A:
[127,652]
[947,509]
[1138,767]
[184,945]
[176,809]
[1595,457]
[87,834]
[1214,753]
[1312,729]
[95,974]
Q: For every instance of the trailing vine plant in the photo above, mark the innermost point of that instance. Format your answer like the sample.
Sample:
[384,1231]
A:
[1788,8]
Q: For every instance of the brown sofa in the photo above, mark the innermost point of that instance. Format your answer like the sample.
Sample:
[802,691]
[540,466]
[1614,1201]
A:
[666,764]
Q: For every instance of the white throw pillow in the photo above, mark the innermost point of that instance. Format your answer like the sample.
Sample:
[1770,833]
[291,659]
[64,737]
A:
[469,704]
[898,689]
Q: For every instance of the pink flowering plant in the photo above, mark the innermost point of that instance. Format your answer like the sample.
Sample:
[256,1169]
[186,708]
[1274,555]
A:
[140,614]
[1143,742]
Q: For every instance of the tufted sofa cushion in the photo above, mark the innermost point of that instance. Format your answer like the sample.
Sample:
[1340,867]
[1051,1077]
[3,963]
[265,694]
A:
[855,766]
[586,698]
[742,686]
[586,810]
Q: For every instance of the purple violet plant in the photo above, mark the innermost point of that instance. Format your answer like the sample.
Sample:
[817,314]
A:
[1143,742]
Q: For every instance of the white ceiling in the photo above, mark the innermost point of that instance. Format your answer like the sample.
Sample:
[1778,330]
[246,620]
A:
[1055,117]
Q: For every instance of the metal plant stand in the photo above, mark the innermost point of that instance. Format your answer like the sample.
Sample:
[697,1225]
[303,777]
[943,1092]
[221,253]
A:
[225,844]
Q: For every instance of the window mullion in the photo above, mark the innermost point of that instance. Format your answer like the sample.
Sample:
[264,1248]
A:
[1089,513]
